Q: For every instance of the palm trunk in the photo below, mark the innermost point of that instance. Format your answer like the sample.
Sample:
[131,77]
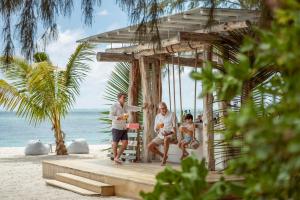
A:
[60,143]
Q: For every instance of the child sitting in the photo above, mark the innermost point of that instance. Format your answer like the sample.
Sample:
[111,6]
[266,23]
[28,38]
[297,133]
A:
[187,129]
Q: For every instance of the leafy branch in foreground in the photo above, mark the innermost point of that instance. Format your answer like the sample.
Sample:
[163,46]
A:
[270,132]
[189,183]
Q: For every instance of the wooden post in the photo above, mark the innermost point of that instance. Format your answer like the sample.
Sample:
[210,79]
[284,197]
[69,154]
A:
[208,134]
[150,77]
[223,104]
[223,111]
[133,90]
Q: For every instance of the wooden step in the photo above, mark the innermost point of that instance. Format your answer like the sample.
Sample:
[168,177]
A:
[85,183]
[72,188]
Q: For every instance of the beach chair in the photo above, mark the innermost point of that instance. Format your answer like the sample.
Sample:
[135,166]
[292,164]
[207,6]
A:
[78,146]
[36,147]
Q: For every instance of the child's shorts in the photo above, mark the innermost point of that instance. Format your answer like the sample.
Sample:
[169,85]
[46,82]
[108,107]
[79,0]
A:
[187,138]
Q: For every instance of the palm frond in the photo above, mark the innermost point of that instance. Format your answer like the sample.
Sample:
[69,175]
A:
[9,95]
[17,72]
[75,72]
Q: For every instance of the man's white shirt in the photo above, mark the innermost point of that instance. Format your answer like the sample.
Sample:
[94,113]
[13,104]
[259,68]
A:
[169,121]
[117,110]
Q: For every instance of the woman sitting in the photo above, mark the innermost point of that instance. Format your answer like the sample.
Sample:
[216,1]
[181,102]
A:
[187,129]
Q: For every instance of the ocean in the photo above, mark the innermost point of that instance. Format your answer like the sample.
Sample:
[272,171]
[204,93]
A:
[83,123]
[16,131]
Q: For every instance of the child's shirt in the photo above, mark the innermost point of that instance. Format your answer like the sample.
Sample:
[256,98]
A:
[189,126]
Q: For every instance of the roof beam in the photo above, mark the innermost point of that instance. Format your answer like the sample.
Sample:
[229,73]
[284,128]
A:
[197,38]
[179,47]
[122,57]
[227,26]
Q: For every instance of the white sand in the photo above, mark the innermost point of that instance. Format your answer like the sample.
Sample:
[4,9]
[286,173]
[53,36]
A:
[21,176]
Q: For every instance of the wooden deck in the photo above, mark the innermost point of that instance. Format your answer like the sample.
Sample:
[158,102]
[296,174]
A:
[129,178]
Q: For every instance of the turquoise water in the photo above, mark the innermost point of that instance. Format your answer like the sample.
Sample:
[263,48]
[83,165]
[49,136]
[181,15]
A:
[15,131]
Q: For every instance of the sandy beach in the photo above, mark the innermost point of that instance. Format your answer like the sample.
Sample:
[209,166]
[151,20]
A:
[21,176]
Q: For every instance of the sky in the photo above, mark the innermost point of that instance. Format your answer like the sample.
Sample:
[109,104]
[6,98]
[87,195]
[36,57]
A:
[108,17]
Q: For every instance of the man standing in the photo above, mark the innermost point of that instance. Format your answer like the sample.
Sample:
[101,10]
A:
[119,114]
[165,127]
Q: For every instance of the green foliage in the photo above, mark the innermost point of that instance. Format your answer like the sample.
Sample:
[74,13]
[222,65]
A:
[267,127]
[22,18]
[270,130]
[185,184]
[40,57]
[189,183]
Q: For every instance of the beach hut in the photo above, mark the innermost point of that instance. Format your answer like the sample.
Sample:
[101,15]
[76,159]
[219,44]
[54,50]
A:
[182,33]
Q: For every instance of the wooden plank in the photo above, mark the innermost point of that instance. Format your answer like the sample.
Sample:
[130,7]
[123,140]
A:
[180,47]
[197,37]
[227,26]
[122,57]
[114,57]
[86,183]
[72,188]
[132,134]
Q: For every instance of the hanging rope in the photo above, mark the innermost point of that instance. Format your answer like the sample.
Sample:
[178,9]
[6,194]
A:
[174,90]
[160,81]
[180,94]
[195,85]
[169,85]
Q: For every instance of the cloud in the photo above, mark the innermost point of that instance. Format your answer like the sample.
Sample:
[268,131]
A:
[91,90]
[102,13]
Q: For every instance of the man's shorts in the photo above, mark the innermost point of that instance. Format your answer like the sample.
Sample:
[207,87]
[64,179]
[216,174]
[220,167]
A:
[157,140]
[118,135]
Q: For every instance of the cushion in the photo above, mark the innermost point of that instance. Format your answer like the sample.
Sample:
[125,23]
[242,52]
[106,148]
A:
[78,146]
[36,147]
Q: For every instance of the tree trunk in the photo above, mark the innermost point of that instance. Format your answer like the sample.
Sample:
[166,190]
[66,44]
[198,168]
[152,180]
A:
[150,76]
[59,139]
[133,91]
[208,133]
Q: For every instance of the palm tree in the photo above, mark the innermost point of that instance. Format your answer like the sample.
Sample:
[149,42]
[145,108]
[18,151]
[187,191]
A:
[41,91]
